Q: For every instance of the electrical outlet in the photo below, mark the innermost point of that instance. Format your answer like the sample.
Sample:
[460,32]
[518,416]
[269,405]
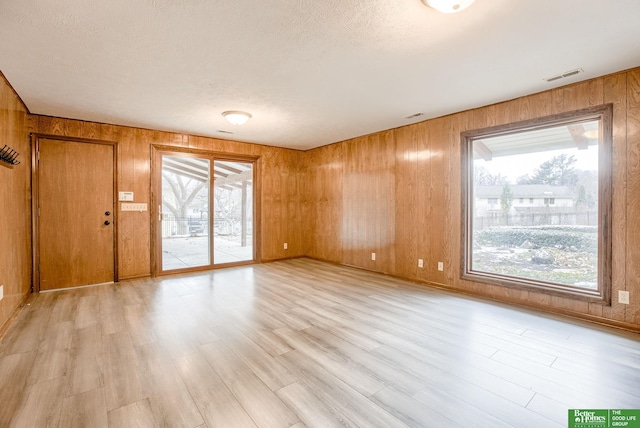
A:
[420,263]
[373,256]
[440,266]
[286,246]
[1,292]
[623,297]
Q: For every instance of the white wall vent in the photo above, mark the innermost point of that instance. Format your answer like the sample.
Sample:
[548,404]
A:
[563,75]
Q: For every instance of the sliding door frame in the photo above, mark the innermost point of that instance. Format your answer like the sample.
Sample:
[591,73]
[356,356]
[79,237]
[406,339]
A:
[157,151]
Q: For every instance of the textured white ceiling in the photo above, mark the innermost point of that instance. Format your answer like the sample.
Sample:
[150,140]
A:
[310,72]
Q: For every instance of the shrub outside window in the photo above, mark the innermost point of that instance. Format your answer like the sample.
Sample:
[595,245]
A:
[560,241]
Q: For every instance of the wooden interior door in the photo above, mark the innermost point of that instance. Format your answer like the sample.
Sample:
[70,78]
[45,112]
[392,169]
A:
[76,213]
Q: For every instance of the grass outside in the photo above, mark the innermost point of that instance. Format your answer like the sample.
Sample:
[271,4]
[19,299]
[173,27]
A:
[575,264]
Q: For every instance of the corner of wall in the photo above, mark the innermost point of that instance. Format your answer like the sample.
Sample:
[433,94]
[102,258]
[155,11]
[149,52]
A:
[15,212]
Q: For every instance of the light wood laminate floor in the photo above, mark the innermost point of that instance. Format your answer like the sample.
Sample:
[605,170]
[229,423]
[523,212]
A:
[302,343]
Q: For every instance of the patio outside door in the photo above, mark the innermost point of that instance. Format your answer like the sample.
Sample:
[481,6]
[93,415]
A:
[184,214]
[233,212]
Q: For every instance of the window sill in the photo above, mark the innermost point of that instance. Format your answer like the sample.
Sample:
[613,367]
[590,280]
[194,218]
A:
[560,290]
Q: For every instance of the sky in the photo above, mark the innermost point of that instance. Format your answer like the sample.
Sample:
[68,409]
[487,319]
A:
[516,166]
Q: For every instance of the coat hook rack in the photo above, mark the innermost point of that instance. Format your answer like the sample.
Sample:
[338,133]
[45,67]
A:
[9,156]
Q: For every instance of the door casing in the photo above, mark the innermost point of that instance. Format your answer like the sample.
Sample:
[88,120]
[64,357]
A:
[157,151]
[35,218]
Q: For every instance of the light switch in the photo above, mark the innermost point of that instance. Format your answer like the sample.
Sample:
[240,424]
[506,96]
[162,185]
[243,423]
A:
[125,196]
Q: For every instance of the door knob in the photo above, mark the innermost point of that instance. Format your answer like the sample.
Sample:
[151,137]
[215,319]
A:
[107,222]
[107,213]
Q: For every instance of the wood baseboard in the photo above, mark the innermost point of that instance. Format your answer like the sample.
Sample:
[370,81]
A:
[283,258]
[126,278]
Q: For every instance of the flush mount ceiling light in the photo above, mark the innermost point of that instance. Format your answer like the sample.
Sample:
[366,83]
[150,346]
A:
[448,6]
[236,117]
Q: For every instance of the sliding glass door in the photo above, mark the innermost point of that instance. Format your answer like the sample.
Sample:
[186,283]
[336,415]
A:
[233,211]
[205,211]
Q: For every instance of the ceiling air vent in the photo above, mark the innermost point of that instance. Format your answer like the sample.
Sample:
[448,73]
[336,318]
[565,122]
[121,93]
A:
[563,75]
[224,132]
[413,116]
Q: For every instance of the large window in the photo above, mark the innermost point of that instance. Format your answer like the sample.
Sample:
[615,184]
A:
[560,240]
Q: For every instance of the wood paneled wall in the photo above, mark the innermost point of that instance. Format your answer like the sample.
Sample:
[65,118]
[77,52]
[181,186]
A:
[15,205]
[397,193]
[281,175]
